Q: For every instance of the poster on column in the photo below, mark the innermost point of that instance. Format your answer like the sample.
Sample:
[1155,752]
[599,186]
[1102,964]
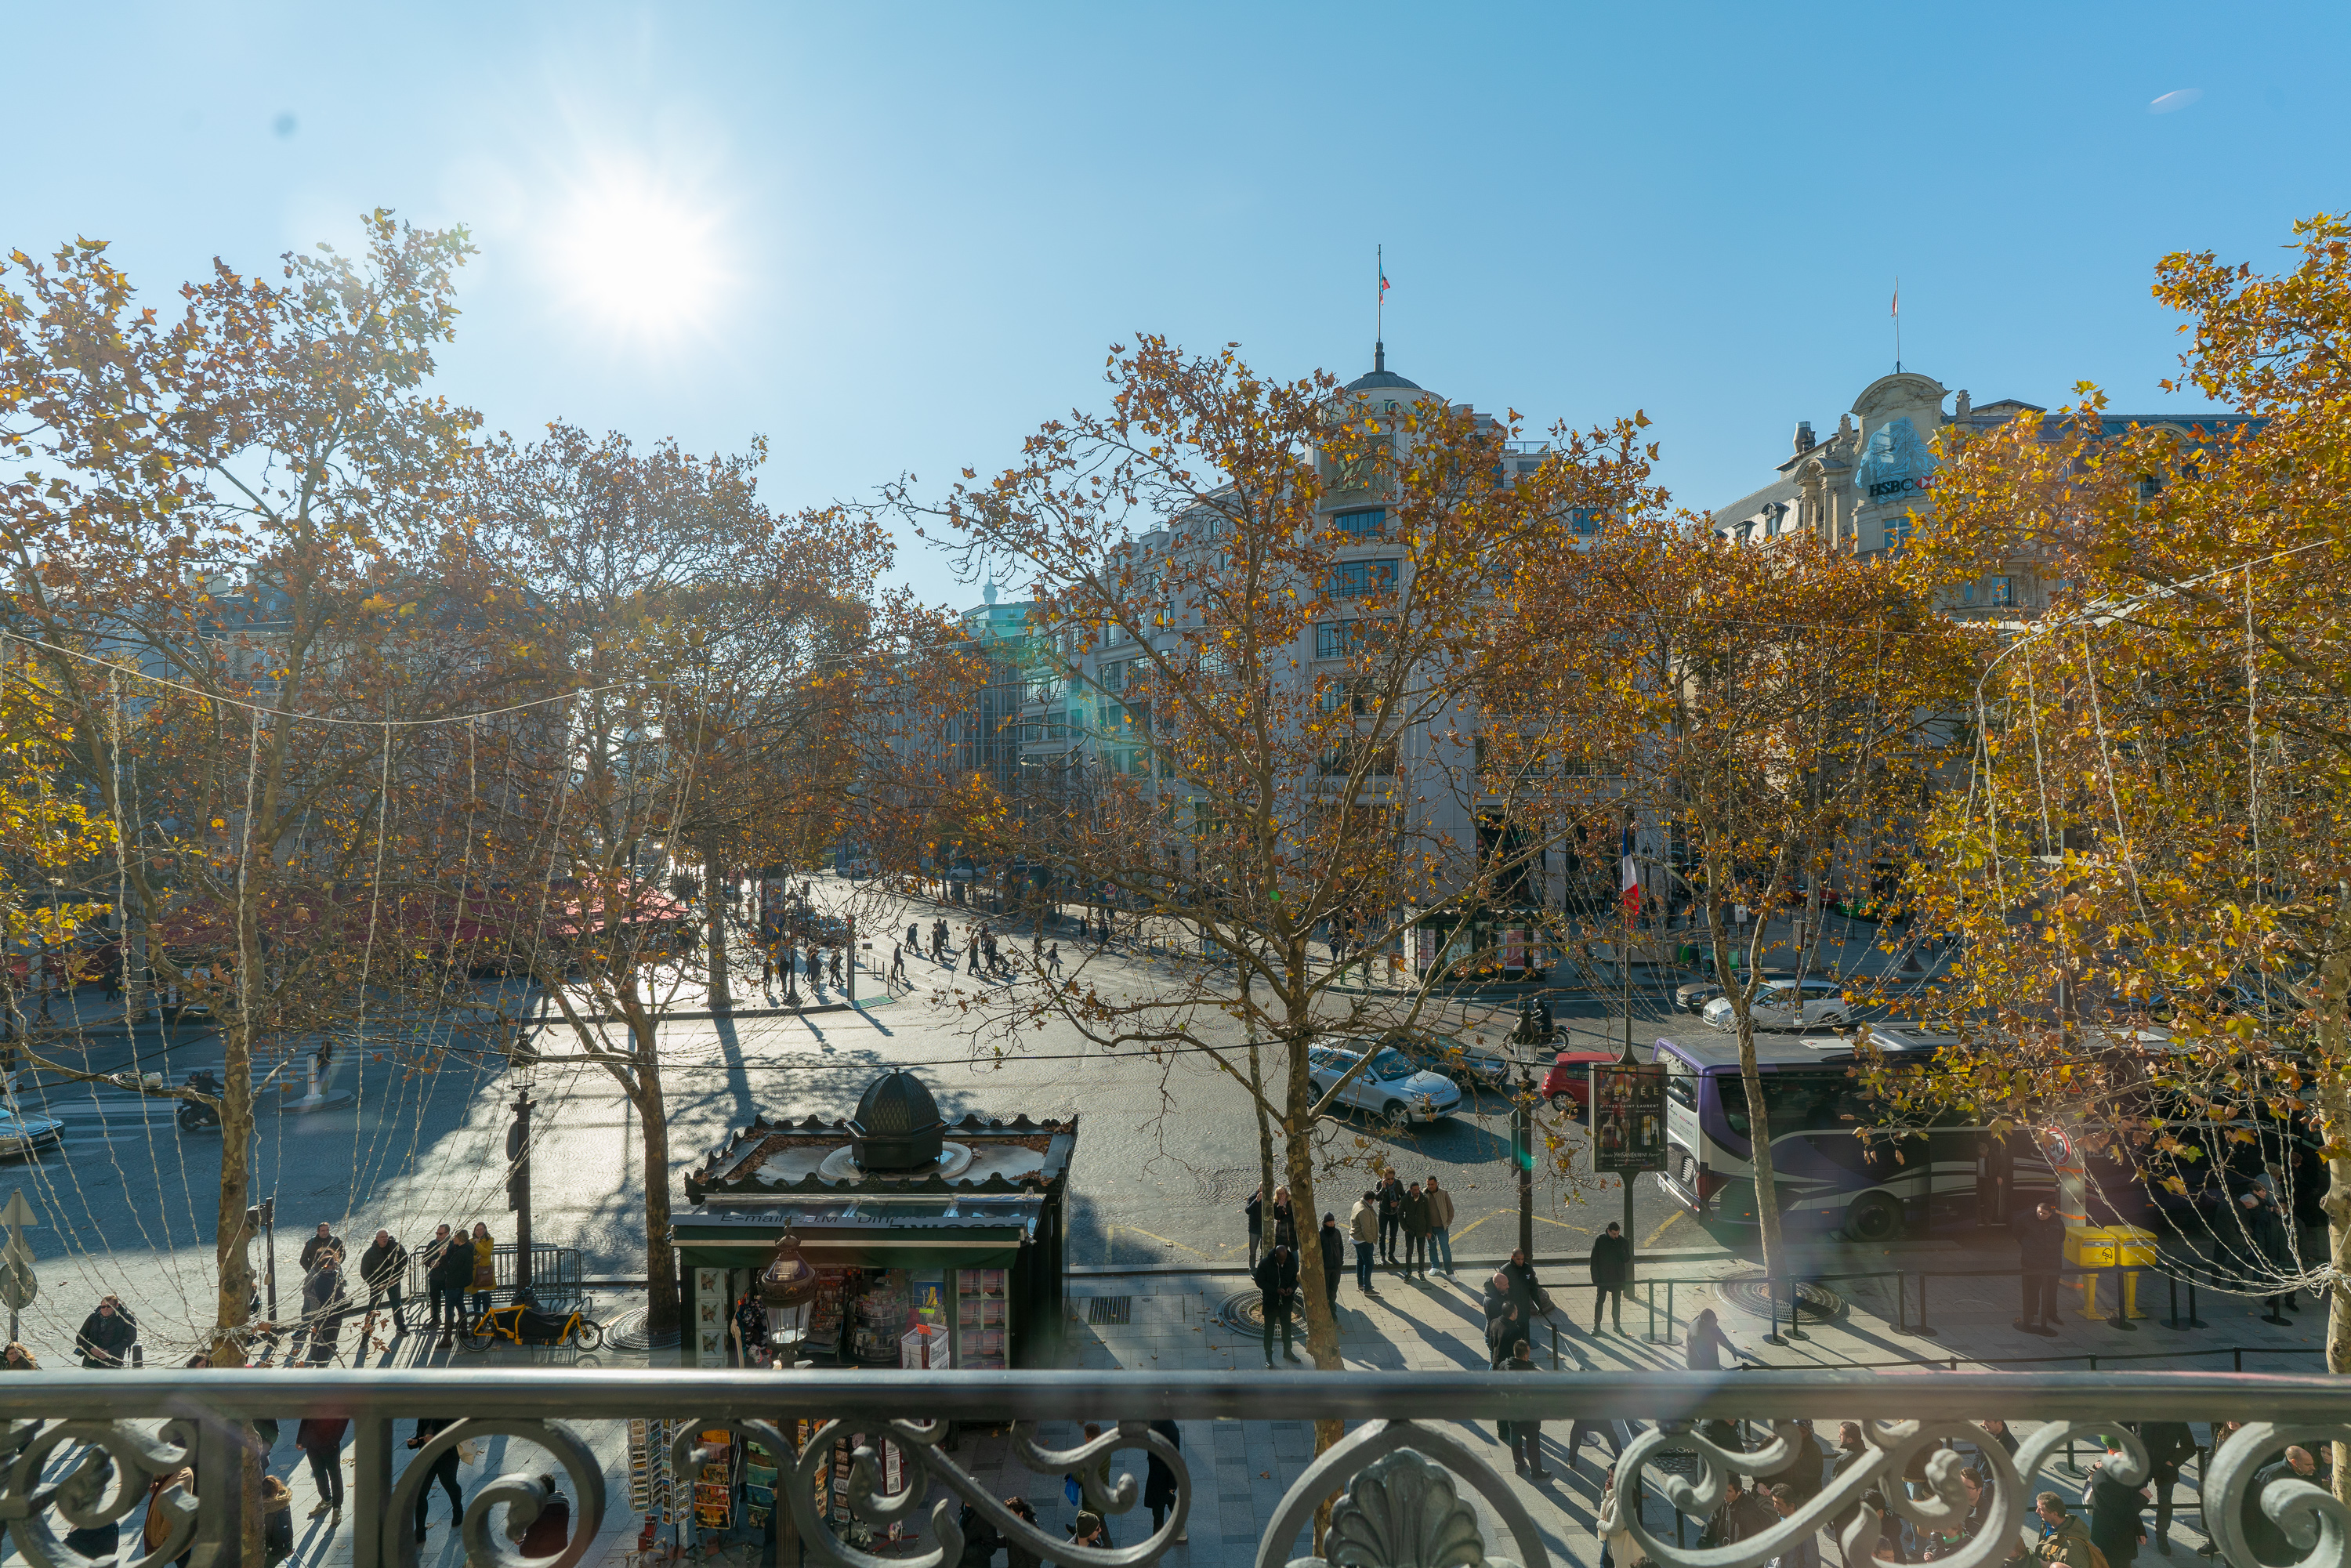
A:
[1628,1118]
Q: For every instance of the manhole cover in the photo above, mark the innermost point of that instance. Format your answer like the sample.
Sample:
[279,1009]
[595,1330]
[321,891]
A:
[1244,1313]
[627,1332]
[1109,1308]
[1814,1303]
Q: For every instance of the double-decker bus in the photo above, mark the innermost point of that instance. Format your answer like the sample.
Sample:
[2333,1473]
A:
[1826,1174]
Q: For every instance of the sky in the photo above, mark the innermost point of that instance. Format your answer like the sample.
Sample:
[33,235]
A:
[896,239]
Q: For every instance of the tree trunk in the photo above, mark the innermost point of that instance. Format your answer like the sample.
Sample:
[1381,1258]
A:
[2334,1000]
[661,1310]
[713,898]
[231,1237]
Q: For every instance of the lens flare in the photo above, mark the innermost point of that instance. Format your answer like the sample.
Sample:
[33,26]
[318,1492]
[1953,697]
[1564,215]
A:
[639,256]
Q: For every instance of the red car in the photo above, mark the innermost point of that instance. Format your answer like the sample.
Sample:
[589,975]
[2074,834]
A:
[1567,1080]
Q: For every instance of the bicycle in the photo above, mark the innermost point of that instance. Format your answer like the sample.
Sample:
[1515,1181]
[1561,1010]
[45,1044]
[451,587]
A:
[520,1323]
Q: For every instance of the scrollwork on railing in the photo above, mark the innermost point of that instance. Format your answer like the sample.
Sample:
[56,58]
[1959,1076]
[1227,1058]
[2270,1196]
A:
[109,1481]
[919,1443]
[519,1493]
[2314,1521]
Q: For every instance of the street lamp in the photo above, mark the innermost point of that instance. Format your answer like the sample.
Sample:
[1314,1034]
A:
[788,1285]
[1525,1046]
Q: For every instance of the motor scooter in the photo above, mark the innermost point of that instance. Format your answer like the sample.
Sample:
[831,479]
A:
[194,1116]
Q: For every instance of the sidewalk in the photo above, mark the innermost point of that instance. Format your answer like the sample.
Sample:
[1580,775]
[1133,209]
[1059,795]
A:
[1188,1320]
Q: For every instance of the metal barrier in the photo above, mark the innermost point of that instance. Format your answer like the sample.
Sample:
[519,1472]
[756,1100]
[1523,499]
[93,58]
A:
[1399,1474]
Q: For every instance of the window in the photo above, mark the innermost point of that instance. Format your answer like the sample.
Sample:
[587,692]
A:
[1584,520]
[1355,579]
[1897,531]
[2004,591]
[1350,696]
[1365,522]
[1335,639]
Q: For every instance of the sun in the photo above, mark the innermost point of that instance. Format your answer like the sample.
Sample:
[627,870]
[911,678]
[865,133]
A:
[639,256]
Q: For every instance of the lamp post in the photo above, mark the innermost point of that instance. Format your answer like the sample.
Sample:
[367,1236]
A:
[788,1285]
[1522,1127]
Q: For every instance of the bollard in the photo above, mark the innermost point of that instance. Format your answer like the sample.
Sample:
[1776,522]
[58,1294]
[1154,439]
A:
[1554,1343]
[2239,1353]
[1902,1303]
[1771,1300]
[1669,1311]
[1653,1309]
[1922,1303]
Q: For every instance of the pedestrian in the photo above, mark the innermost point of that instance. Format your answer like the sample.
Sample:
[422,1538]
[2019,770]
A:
[16,1358]
[1506,1320]
[913,940]
[1015,1555]
[2064,1538]
[320,1438]
[980,1539]
[1612,1271]
[449,1265]
[486,1267]
[2268,1254]
[1705,1340]
[1440,1225]
[445,1470]
[1416,1231]
[318,1245]
[1334,1253]
[1277,1279]
[1525,1289]
[2313,1242]
[1742,1516]
[971,953]
[2040,1244]
[1525,1437]
[1159,1486]
[1053,960]
[1363,1225]
[551,1533]
[746,1332]
[2115,1527]
[323,1301]
[834,957]
[1806,1552]
[1617,1547]
[1253,1214]
[1391,1192]
[99,1543]
[107,1333]
[383,1268]
[2263,1535]
[276,1522]
[1585,1427]
[2170,1445]
[1284,1225]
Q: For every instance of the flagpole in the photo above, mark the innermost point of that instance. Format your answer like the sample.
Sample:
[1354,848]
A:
[1380,296]
[1897,325]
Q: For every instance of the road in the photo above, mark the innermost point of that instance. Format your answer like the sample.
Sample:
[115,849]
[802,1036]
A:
[1167,1152]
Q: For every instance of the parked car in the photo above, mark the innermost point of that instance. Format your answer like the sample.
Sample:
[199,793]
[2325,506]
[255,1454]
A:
[1814,1003]
[1466,1061]
[1692,995]
[1567,1084]
[21,1133]
[1389,1086]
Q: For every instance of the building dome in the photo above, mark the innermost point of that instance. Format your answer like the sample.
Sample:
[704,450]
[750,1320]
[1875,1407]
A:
[1379,378]
[897,1125]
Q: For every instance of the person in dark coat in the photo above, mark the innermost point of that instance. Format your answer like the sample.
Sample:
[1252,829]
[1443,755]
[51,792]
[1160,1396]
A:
[383,1270]
[1281,1220]
[1277,1276]
[1525,1437]
[2264,1535]
[2170,1445]
[1391,1201]
[1253,1211]
[1742,1515]
[106,1334]
[2115,1527]
[1414,1217]
[323,1301]
[2268,1252]
[1506,1322]
[551,1533]
[320,1438]
[445,1470]
[1705,1340]
[1159,1483]
[318,1245]
[1334,1257]
[449,1262]
[2041,1241]
[1525,1289]
[1612,1271]
[980,1539]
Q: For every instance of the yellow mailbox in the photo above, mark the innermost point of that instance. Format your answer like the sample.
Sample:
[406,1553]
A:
[2093,1247]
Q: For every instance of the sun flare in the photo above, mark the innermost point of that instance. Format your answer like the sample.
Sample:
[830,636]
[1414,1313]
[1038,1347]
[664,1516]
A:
[639,256]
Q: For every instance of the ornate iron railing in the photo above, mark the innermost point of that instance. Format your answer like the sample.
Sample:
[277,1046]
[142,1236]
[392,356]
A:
[1399,1474]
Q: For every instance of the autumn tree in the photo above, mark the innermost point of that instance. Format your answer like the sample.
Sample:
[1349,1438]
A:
[1261,608]
[703,650]
[230,551]
[2146,867]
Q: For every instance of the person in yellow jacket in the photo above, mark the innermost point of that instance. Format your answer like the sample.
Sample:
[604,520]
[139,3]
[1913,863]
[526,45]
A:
[485,1273]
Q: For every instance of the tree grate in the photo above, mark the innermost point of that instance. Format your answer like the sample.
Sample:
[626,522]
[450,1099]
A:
[1109,1308]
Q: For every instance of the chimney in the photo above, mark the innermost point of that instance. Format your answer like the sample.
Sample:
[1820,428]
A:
[1803,436]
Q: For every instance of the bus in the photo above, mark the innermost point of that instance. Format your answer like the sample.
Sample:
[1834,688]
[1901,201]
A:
[1827,1176]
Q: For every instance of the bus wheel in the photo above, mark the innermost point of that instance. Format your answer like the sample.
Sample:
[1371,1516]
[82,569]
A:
[1873,1216]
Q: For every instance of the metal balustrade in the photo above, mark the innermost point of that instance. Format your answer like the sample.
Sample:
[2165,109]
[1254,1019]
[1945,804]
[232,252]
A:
[1400,1474]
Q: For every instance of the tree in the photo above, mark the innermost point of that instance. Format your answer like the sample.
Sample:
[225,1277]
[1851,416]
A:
[219,544]
[1263,604]
[2153,830]
[704,648]
[1765,717]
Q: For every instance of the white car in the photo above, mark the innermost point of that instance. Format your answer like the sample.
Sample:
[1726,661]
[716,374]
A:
[21,1134]
[1389,1086]
[1787,1004]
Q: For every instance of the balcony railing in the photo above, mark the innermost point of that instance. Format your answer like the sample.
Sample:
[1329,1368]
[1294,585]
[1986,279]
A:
[1402,1473]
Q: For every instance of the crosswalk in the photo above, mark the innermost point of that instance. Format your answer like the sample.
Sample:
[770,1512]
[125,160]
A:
[92,1123]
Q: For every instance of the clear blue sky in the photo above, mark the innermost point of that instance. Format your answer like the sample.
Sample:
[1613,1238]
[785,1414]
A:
[897,238]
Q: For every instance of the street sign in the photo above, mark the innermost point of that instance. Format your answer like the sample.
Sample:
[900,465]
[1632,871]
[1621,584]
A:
[19,1287]
[18,1211]
[1628,1118]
